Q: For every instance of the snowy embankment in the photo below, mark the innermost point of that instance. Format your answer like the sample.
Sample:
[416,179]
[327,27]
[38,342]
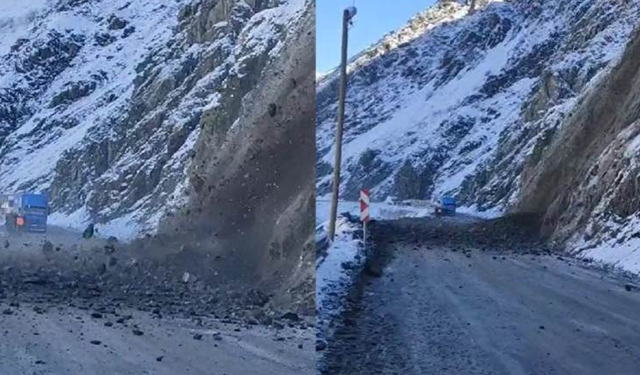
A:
[335,272]
[336,266]
[621,251]
[624,257]
[340,263]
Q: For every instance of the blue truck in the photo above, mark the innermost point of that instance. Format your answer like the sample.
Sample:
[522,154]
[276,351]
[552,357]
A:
[447,207]
[26,212]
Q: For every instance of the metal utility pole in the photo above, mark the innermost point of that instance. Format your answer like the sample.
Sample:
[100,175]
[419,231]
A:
[348,15]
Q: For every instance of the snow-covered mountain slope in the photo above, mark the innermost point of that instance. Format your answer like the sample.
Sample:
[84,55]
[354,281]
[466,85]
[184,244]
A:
[467,104]
[453,103]
[15,18]
[102,102]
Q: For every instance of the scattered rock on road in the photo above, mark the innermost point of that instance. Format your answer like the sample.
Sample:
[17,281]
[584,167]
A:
[137,332]
[629,287]
[89,231]
[291,316]
[47,247]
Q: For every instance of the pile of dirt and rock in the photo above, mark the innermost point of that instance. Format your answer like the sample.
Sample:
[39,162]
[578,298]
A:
[113,277]
[514,233]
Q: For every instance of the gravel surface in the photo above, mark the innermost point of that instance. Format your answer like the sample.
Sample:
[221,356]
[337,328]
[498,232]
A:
[437,298]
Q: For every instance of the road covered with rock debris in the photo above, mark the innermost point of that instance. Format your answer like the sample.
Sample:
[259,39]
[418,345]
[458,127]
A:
[70,305]
[459,296]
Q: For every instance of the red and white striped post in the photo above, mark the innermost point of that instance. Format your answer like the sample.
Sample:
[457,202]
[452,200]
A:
[365,200]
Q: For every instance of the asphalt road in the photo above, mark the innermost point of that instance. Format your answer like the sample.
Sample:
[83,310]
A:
[61,340]
[61,312]
[472,309]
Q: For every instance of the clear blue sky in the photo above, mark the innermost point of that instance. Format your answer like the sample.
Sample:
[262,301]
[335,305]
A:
[375,18]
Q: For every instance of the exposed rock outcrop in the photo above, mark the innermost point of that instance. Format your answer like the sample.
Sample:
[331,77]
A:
[251,185]
[587,182]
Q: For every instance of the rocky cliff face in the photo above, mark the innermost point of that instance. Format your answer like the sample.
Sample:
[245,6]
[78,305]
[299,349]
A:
[469,104]
[587,181]
[251,183]
[105,105]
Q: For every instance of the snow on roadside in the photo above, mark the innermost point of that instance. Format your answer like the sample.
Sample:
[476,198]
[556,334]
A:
[378,210]
[625,257]
[125,228]
[341,255]
[493,213]
[335,273]
[619,246]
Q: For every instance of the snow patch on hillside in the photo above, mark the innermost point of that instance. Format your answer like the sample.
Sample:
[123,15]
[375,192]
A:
[15,18]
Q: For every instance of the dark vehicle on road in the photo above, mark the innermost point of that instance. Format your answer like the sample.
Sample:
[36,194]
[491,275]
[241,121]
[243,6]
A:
[27,212]
[447,207]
